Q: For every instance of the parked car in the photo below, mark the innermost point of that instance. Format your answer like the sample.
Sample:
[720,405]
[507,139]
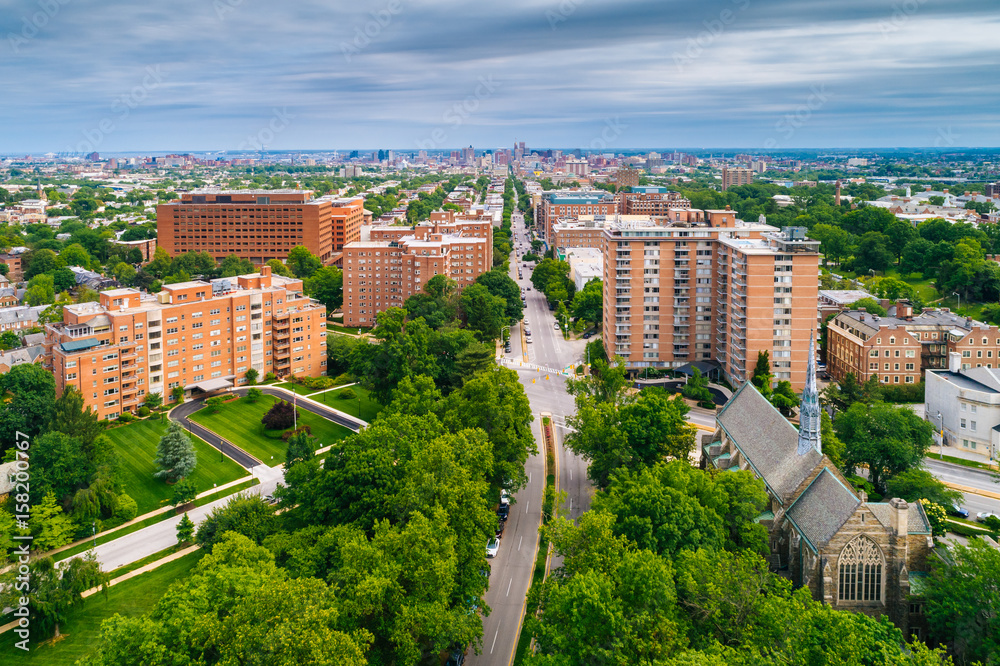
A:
[983,515]
[500,526]
[503,511]
[504,498]
[528,340]
[457,657]
[556,326]
[588,335]
[957,510]
[493,547]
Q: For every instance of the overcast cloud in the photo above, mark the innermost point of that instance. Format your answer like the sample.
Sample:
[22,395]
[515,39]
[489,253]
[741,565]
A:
[404,74]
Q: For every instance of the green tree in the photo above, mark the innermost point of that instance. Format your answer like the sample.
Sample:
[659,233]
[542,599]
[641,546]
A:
[177,393]
[889,440]
[484,313]
[588,304]
[873,253]
[53,590]
[251,376]
[870,305]
[835,243]
[785,398]
[234,265]
[245,514]
[403,351]
[75,255]
[916,483]
[175,454]
[833,448]
[42,261]
[70,417]
[9,340]
[153,400]
[762,376]
[900,232]
[254,395]
[41,290]
[184,492]
[301,448]
[326,285]
[499,284]
[963,608]
[124,273]
[185,530]
[696,388]
[50,528]
[302,262]
[214,404]
[278,268]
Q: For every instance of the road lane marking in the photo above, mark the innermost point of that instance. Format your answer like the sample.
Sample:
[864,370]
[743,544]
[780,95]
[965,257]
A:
[570,474]
[571,505]
[509,584]
[519,540]
[495,638]
[526,507]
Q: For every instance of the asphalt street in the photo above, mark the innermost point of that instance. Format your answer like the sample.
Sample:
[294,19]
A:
[971,477]
[512,567]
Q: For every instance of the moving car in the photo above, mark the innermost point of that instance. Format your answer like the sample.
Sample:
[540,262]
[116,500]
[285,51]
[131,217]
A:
[983,515]
[957,510]
[492,547]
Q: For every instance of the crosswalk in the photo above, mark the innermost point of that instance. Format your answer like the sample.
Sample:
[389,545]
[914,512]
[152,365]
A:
[514,363]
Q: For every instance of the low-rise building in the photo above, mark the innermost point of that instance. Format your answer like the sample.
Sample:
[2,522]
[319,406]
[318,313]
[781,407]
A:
[147,248]
[900,347]
[15,357]
[20,317]
[964,405]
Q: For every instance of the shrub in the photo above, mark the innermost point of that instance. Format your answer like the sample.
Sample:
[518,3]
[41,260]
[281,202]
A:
[213,404]
[125,508]
[184,492]
[345,378]
[144,411]
[253,395]
[270,377]
[291,433]
[126,417]
[347,394]
[706,404]
[281,416]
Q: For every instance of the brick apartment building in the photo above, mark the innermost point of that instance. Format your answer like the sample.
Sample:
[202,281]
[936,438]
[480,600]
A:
[347,217]
[147,248]
[15,269]
[648,200]
[258,225]
[392,263]
[707,287]
[203,336]
[731,177]
[569,203]
[901,347]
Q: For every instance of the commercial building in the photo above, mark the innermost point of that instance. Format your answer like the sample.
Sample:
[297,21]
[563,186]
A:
[731,177]
[899,348]
[392,263]
[202,336]
[964,406]
[258,225]
[708,287]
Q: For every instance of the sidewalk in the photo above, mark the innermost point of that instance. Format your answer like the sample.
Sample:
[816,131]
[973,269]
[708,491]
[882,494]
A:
[956,452]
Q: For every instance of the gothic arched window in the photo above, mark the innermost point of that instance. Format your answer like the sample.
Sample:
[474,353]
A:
[861,565]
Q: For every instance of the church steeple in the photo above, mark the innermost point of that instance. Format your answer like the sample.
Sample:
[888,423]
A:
[809,414]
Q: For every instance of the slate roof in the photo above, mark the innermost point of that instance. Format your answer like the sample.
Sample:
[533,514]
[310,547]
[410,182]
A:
[916,519]
[823,508]
[23,355]
[766,440]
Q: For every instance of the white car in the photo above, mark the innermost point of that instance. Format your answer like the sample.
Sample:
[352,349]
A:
[983,515]
[492,547]
[504,498]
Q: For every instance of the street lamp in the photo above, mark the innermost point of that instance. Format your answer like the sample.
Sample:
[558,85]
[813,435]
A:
[955,293]
[941,430]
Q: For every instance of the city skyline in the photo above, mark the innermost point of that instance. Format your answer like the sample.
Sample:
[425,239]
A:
[233,75]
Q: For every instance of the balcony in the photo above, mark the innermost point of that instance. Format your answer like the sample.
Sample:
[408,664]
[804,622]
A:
[282,363]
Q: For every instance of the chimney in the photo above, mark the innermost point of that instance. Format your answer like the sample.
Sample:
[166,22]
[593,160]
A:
[900,516]
[954,362]
[265,271]
[904,310]
[927,188]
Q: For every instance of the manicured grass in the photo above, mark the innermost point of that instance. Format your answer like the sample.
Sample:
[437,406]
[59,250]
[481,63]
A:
[82,627]
[343,329]
[296,388]
[152,520]
[964,462]
[239,423]
[369,408]
[136,445]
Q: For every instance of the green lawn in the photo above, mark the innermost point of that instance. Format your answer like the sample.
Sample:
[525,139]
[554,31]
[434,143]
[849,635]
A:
[369,408]
[296,388]
[239,423]
[83,624]
[343,329]
[136,445]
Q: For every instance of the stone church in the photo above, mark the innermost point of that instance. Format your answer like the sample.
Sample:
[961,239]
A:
[869,557]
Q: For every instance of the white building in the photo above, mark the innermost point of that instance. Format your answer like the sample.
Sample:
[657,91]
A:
[964,405]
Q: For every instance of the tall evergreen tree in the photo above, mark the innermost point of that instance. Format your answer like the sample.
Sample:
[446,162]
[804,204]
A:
[175,455]
[69,417]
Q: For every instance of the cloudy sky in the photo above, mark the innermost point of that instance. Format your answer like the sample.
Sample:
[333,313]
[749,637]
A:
[110,75]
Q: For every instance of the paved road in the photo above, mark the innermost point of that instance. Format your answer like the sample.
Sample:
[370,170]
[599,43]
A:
[184,411]
[971,477]
[340,418]
[512,568]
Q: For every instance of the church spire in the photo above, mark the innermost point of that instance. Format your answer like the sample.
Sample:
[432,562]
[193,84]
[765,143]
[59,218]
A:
[809,414]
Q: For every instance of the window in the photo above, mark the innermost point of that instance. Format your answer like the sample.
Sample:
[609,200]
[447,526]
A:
[972,426]
[963,424]
[861,571]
